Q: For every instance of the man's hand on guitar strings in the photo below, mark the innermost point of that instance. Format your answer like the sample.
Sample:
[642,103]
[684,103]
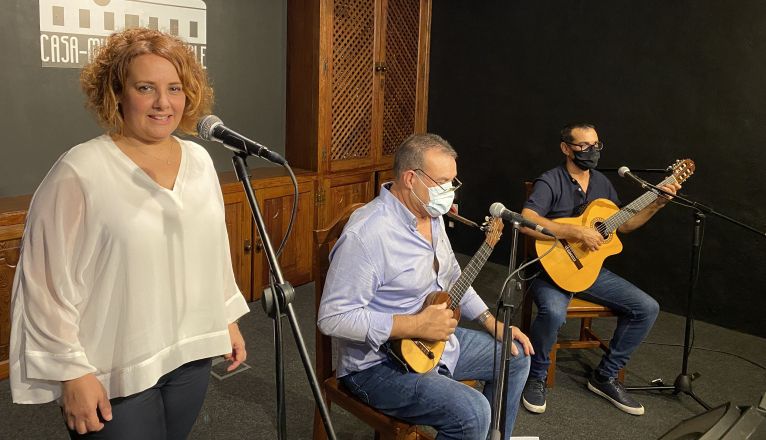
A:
[435,323]
[590,238]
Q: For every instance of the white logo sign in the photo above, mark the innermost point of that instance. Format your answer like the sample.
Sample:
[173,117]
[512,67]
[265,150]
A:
[71,29]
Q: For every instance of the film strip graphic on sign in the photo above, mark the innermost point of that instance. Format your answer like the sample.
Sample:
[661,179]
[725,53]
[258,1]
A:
[71,29]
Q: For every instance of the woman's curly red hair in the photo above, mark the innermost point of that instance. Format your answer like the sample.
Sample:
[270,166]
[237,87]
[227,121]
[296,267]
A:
[102,80]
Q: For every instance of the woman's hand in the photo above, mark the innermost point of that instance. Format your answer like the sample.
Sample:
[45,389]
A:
[238,353]
[80,399]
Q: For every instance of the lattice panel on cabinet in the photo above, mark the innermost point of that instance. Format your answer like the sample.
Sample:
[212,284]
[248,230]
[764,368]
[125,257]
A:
[352,79]
[400,87]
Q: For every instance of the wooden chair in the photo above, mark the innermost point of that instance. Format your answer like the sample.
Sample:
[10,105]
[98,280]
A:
[333,391]
[578,308]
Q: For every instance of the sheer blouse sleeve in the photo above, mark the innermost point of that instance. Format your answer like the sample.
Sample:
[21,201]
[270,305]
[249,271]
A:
[49,284]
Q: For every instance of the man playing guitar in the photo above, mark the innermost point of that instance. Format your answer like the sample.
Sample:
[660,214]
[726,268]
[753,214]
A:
[565,191]
[392,253]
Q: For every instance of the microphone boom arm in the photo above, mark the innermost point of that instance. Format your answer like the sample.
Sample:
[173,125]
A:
[690,203]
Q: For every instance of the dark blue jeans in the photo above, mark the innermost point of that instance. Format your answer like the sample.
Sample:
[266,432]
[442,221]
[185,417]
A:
[436,398]
[636,312]
[166,411]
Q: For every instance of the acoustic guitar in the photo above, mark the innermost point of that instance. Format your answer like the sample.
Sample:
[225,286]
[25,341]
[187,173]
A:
[575,268]
[422,355]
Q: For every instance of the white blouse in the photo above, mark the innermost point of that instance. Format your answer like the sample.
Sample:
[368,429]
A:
[119,276]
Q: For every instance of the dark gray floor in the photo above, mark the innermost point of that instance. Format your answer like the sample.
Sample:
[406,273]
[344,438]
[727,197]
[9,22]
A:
[243,406]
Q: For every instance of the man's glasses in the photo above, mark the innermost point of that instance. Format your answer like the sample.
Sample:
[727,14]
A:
[598,146]
[456,183]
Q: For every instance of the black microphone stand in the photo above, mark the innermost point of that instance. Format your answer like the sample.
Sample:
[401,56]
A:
[505,307]
[276,299]
[683,382]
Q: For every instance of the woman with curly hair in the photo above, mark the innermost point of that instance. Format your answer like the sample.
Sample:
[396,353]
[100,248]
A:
[125,290]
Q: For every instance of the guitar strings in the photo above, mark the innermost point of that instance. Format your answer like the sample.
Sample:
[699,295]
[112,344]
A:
[478,260]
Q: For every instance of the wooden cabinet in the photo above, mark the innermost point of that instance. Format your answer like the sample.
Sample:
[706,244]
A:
[339,191]
[382,177]
[357,86]
[9,257]
[12,216]
[274,193]
[275,204]
[239,228]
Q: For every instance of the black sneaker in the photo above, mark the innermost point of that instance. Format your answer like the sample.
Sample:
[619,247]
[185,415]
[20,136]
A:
[533,395]
[612,390]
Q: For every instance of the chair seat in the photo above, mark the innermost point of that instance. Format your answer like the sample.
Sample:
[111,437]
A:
[582,307]
[337,393]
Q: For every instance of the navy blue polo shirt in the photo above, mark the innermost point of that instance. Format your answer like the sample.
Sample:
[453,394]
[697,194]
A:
[557,194]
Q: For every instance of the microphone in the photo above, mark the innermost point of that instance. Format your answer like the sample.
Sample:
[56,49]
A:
[498,210]
[211,128]
[624,171]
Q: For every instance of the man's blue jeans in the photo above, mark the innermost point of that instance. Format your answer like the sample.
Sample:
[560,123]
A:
[635,309]
[435,399]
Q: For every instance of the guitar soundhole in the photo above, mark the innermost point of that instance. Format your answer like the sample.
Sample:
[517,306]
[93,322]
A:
[601,228]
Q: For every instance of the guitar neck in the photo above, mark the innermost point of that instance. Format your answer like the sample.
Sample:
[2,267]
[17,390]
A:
[469,274]
[628,211]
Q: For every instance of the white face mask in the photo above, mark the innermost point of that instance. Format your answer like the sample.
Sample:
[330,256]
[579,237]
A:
[439,199]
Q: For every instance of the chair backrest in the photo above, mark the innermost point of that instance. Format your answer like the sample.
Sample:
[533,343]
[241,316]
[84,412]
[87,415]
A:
[324,240]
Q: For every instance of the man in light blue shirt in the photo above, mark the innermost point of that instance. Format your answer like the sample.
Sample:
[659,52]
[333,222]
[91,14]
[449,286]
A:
[393,252]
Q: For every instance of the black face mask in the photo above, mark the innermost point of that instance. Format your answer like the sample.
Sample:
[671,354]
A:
[586,160]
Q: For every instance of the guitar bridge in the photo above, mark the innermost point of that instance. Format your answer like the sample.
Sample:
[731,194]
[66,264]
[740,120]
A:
[568,249]
[425,349]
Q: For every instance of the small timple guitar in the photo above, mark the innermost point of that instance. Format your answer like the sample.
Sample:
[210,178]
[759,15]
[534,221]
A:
[574,268]
[422,355]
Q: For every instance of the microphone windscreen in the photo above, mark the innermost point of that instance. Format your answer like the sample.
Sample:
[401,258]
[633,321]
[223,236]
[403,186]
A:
[205,126]
[496,210]
[622,170]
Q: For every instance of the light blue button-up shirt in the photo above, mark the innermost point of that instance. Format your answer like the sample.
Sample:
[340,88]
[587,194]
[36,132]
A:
[382,266]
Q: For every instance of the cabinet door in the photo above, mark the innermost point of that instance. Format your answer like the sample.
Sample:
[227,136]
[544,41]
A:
[10,243]
[357,80]
[348,81]
[405,79]
[338,192]
[239,228]
[276,204]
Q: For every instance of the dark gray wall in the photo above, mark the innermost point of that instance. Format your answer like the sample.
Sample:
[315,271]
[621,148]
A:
[661,80]
[42,112]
